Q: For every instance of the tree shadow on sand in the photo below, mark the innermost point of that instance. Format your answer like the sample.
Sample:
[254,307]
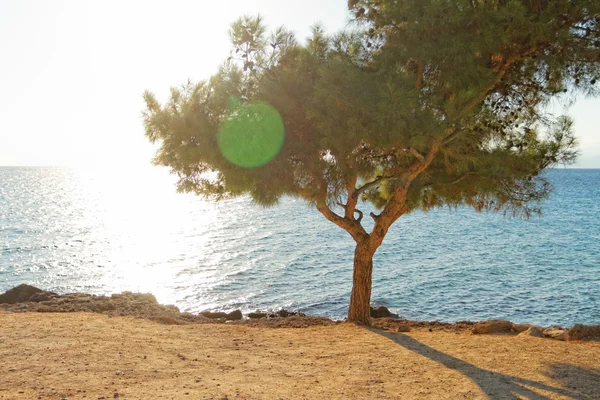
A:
[500,386]
[585,381]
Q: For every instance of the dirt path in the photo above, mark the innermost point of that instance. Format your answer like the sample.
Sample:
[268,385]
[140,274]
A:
[91,356]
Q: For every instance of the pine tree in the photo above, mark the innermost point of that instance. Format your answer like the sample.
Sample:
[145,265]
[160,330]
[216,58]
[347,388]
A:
[423,104]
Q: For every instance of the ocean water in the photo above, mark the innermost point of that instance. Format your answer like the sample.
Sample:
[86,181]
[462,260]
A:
[71,230]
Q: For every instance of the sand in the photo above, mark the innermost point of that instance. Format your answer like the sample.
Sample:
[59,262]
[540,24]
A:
[92,356]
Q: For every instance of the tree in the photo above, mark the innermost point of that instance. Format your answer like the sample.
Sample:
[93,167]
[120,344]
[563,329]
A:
[423,104]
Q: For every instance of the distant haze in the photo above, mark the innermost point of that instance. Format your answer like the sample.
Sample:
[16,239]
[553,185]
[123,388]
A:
[73,71]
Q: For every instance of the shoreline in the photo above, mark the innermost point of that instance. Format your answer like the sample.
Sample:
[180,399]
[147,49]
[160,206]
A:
[26,299]
[128,346]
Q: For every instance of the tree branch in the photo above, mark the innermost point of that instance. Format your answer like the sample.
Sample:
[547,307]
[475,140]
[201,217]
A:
[501,72]
[454,182]
[360,215]
[450,135]
[350,225]
[351,203]
[396,206]
[420,69]
[452,132]
[415,169]
[331,216]
[418,155]
[369,185]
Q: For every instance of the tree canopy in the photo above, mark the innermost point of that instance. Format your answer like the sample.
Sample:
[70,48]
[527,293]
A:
[421,104]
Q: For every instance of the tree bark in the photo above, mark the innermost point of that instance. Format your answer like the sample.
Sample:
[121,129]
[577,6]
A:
[360,299]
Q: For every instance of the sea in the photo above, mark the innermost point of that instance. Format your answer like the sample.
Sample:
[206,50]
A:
[107,231]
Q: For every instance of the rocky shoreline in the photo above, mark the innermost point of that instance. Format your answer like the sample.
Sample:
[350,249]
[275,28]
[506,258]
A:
[26,298]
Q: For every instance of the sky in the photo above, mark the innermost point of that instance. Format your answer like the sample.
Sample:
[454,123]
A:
[72,72]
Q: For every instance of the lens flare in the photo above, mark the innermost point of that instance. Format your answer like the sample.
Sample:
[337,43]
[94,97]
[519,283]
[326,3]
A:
[252,135]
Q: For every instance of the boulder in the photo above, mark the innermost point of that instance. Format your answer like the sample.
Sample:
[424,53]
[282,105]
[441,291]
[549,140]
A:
[286,313]
[492,326]
[521,327]
[19,294]
[213,315]
[256,315]
[555,333]
[234,315]
[145,298]
[42,296]
[402,328]
[579,331]
[534,331]
[135,297]
[173,308]
[381,312]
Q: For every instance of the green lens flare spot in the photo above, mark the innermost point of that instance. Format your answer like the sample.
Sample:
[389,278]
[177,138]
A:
[252,135]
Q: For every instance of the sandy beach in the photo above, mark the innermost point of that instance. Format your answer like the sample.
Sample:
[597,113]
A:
[92,356]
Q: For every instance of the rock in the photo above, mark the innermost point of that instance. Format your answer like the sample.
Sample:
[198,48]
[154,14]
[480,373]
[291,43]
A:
[521,327]
[213,315]
[403,328]
[579,331]
[146,298]
[256,315]
[492,326]
[44,308]
[558,334]
[139,297]
[173,308]
[277,314]
[534,331]
[286,313]
[102,306]
[42,296]
[19,294]
[381,312]
[234,315]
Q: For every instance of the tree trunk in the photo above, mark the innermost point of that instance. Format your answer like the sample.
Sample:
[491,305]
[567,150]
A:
[360,300]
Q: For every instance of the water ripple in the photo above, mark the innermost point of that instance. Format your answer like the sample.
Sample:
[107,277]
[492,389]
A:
[71,230]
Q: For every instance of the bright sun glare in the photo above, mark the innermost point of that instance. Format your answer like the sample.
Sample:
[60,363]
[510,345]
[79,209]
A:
[71,91]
